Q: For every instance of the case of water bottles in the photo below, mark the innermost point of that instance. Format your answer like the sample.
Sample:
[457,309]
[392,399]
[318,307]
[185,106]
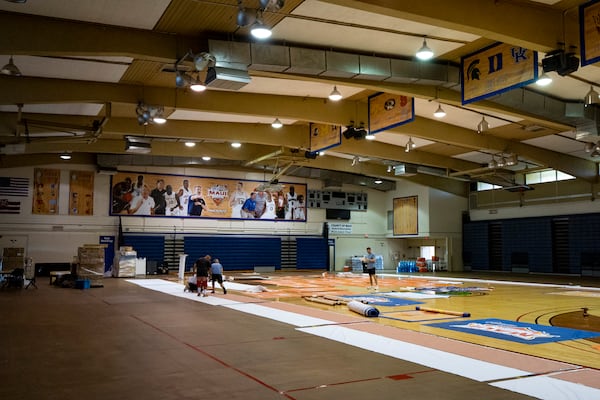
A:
[407,266]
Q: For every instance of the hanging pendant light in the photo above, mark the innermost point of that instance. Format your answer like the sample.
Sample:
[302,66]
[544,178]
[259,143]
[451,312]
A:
[276,124]
[483,125]
[592,97]
[424,53]
[544,80]
[11,69]
[335,95]
[439,113]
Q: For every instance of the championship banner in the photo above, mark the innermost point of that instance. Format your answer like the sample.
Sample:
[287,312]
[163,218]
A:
[160,195]
[497,69]
[389,110]
[46,184]
[81,193]
[589,35]
[324,136]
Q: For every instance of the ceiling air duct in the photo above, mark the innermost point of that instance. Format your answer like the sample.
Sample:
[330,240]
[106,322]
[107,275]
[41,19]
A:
[140,145]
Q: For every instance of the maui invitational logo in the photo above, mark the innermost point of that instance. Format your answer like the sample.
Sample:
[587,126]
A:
[218,193]
[521,332]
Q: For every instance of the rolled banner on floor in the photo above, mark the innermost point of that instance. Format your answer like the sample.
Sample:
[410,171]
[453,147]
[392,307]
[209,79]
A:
[363,309]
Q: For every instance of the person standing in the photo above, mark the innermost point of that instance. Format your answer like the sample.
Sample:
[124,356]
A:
[269,212]
[216,274]
[370,261]
[249,207]
[237,200]
[158,194]
[172,202]
[261,204]
[291,203]
[202,266]
[197,204]
[184,194]
[142,205]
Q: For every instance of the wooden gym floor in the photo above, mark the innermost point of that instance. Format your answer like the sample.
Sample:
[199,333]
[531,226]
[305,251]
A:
[145,338]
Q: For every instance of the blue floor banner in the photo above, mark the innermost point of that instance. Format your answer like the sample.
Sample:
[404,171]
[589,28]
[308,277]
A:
[520,332]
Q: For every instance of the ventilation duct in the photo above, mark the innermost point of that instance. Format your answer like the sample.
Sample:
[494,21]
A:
[226,78]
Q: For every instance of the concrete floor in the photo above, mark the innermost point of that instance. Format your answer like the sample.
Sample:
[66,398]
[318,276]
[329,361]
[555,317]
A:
[122,341]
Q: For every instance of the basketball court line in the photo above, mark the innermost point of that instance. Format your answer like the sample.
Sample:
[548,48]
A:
[514,379]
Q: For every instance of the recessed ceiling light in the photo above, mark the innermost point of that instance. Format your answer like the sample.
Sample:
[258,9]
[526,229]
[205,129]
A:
[190,144]
[206,158]
[237,145]
[65,156]
[378,181]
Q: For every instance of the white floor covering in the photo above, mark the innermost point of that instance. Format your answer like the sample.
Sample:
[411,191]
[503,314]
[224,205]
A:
[542,387]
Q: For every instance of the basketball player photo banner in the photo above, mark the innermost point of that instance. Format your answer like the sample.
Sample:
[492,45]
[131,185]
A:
[496,69]
[389,110]
[162,195]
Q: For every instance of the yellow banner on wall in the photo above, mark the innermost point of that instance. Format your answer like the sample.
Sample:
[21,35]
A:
[589,35]
[324,136]
[389,110]
[46,184]
[496,69]
[81,193]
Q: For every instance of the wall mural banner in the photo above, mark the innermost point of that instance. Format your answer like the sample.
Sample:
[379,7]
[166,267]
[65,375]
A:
[81,193]
[497,69]
[46,183]
[140,194]
[324,136]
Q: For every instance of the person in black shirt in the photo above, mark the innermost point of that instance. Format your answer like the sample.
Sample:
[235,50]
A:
[158,194]
[202,267]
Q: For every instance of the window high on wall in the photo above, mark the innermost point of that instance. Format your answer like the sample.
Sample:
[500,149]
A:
[549,175]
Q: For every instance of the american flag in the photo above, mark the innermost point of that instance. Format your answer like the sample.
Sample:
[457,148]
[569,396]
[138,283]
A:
[14,186]
[10,207]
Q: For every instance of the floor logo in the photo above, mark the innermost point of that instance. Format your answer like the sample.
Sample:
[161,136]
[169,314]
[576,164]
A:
[517,331]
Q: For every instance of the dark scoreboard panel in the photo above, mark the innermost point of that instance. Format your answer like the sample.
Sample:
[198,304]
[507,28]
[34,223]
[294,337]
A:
[337,200]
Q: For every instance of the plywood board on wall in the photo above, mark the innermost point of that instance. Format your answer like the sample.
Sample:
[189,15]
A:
[406,216]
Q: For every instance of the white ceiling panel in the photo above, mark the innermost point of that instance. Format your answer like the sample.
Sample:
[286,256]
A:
[290,87]
[88,109]
[143,14]
[186,115]
[67,68]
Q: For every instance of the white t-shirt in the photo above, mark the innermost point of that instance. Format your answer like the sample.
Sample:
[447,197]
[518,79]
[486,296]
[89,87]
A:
[146,205]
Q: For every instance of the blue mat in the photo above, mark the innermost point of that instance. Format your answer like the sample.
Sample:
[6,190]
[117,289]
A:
[381,300]
[516,331]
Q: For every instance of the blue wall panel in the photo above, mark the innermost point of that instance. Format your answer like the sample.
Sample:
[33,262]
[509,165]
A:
[235,252]
[532,236]
[475,245]
[311,253]
[149,247]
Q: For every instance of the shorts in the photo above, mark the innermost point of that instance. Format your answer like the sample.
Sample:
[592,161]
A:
[371,271]
[202,282]
[217,277]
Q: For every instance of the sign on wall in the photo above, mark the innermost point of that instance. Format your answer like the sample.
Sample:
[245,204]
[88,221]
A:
[81,193]
[46,183]
[496,69]
[406,216]
[140,194]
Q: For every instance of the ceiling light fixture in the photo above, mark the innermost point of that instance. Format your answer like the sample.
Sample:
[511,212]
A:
[355,160]
[335,95]
[424,53]
[410,145]
[378,181]
[147,114]
[236,145]
[389,168]
[544,80]
[591,97]
[276,124]
[483,125]
[259,30]
[439,113]
[190,144]
[11,69]
[65,156]
[206,158]
[370,136]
